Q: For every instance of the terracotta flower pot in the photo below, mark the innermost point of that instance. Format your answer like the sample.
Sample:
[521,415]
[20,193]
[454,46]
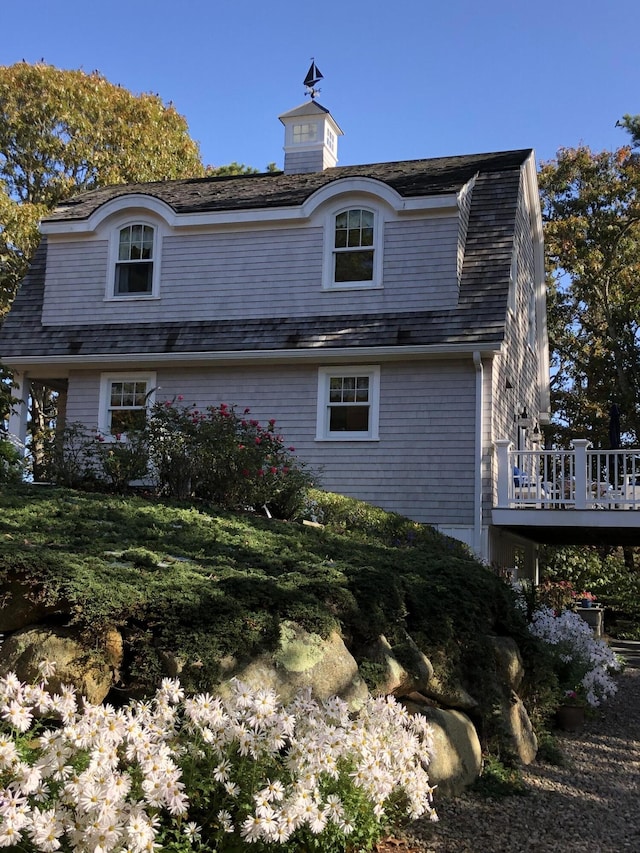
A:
[570,718]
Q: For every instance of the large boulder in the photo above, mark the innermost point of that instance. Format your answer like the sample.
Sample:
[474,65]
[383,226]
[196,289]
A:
[518,731]
[450,694]
[91,674]
[508,661]
[457,759]
[303,660]
[392,676]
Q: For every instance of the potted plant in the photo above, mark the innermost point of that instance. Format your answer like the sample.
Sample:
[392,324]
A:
[570,714]
[587,599]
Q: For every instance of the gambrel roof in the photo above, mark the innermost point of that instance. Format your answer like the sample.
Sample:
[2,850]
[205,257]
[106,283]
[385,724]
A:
[477,321]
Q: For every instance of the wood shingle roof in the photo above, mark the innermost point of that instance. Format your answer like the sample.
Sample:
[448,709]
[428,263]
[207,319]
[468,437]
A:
[477,320]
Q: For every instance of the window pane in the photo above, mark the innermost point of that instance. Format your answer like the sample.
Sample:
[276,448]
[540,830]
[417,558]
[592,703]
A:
[354,266]
[362,389]
[140,394]
[341,238]
[354,237]
[367,219]
[134,277]
[126,420]
[116,394]
[341,220]
[349,418]
[355,218]
[366,237]
[128,393]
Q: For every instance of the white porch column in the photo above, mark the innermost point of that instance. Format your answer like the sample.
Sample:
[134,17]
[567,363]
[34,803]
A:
[503,446]
[581,445]
[19,410]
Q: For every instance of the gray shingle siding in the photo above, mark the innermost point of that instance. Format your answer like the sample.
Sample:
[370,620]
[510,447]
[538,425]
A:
[477,318]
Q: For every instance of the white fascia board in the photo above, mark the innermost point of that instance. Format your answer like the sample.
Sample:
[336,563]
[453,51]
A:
[447,203]
[317,353]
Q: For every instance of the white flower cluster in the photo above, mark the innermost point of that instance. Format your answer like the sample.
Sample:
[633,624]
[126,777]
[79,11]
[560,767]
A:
[383,748]
[113,780]
[575,644]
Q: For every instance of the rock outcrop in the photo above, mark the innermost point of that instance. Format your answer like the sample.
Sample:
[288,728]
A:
[300,660]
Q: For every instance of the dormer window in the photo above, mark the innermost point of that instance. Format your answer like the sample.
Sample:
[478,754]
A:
[353,246]
[134,265]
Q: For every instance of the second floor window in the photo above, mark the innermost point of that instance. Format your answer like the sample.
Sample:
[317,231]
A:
[353,246]
[134,266]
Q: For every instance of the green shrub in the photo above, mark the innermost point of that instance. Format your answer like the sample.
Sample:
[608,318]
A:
[11,465]
[229,460]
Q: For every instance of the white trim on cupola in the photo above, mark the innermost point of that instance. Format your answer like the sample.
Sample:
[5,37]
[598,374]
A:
[310,139]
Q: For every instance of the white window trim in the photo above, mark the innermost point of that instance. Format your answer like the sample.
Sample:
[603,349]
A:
[328,282]
[114,242]
[105,395]
[322,420]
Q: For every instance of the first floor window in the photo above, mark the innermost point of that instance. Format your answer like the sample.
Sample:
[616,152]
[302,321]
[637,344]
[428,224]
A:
[348,403]
[123,403]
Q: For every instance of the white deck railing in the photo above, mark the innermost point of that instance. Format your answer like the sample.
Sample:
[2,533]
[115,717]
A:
[580,478]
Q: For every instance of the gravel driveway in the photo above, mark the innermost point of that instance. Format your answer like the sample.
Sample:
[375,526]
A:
[590,805]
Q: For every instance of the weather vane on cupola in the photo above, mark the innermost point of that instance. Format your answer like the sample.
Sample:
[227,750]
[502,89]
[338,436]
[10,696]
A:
[313,77]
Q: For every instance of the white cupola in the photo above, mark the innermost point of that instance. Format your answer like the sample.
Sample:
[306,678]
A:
[310,140]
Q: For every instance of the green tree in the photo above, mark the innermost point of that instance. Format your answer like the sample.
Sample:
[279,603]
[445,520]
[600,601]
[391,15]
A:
[591,211]
[63,132]
[632,125]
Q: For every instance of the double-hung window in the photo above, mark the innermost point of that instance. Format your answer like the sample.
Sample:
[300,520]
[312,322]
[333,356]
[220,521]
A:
[124,399]
[353,246]
[135,259]
[348,403]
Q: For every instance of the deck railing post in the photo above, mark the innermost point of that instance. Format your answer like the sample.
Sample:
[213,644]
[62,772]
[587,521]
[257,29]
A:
[580,446]
[502,447]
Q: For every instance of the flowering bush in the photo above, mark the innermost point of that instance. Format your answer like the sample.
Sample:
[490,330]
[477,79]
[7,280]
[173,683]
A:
[583,662]
[558,595]
[205,773]
[220,456]
[215,455]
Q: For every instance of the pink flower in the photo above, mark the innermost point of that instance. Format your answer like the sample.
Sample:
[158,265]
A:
[273,470]
[246,411]
[179,398]
[291,449]
[245,472]
[260,472]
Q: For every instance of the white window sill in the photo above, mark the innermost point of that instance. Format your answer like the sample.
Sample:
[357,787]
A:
[343,437]
[331,288]
[133,298]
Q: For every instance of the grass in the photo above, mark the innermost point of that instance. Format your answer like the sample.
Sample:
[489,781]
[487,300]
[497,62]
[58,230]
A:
[202,585]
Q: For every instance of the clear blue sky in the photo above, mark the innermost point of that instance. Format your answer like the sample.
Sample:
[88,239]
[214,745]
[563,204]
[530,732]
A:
[404,79]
